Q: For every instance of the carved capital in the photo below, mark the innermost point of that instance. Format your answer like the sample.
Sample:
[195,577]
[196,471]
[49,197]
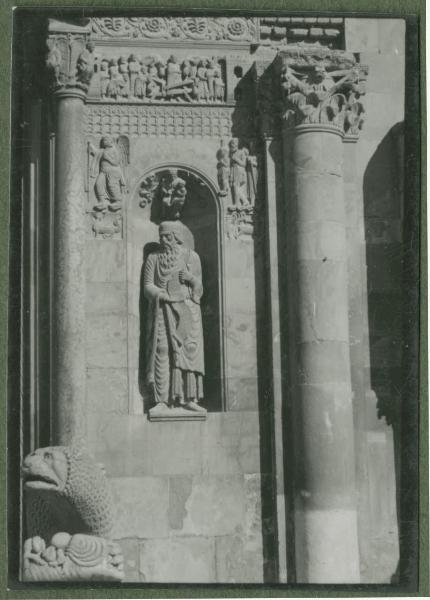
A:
[321,86]
[70,57]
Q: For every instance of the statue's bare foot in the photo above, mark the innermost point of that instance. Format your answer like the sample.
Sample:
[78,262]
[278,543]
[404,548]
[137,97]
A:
[195,407]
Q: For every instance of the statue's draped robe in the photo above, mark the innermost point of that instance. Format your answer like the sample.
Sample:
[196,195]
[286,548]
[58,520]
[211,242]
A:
[174,344]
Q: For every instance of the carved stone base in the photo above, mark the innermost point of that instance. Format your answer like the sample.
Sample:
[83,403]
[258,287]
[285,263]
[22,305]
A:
[176,413]
[76,557]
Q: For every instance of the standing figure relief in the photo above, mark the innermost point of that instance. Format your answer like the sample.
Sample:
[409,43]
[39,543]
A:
[107,164]
[174,344]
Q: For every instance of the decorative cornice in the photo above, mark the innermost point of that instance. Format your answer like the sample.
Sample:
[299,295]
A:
[328,31]
[222,29]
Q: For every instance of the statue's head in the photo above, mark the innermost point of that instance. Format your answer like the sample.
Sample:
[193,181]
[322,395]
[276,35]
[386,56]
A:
[106,142]
[319,73]
[90,46]
[233,144]
[171,234]
[45,469]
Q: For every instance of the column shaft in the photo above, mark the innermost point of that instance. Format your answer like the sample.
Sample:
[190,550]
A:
[325,497]
[69,366]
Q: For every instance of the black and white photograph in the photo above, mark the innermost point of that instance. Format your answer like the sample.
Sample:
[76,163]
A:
[214,257]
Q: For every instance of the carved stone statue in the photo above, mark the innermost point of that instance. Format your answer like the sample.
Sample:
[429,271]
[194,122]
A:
[85,64]
[238,175]
[223,169]
[53,60]
[252,176]
[173,286]
[69,512]
[107,167]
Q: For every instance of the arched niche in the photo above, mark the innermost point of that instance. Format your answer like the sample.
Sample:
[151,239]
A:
[201,214]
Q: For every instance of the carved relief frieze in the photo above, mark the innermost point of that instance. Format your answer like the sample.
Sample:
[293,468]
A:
[106,183]
[323,87]
[152,79]
[158,121]
[227,29]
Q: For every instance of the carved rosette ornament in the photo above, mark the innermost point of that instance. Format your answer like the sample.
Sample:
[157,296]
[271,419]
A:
[323,87]
[228,29]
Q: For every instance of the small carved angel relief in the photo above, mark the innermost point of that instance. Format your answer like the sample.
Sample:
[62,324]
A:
[106,165]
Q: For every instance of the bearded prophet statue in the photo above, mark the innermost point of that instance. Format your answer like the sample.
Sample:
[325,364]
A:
[175,355]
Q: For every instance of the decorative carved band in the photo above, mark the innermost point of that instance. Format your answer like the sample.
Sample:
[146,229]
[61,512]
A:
[156,121]
[327,31]
[228,29]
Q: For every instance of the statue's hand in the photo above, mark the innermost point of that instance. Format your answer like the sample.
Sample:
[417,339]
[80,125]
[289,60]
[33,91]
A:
[163,295]
[185,276]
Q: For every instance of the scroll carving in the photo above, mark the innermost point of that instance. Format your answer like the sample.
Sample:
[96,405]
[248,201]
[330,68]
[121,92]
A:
[69,517]
[228,29]
[317,91]
[151,79]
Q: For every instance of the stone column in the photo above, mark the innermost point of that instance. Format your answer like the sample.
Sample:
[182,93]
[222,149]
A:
[69,273]
[70,67]
[325,512]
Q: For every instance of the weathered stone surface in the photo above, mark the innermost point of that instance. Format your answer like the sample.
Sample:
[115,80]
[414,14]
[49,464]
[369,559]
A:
[323,285]
[130,552]
[242,393]
[321,240]
[105,298]
[142,507]
[184,560]
[106,344]
[324,362]
[105,260]
[214,505]
[237,453]
[107,390]
[239,557]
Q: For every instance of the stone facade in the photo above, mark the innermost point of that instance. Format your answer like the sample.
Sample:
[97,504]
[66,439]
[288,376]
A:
[287,135]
